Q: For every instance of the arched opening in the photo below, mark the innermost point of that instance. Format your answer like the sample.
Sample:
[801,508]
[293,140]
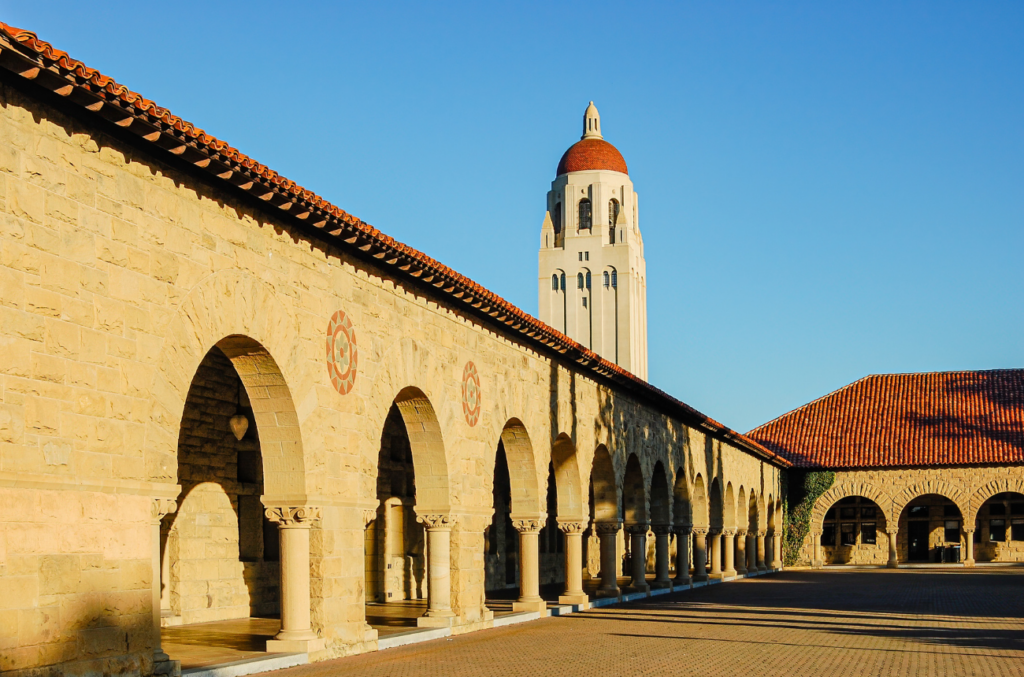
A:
[603,509]
[999,529]
[501,542]
[613,216]
[559,236]
[634,512]
[220,555]
[930,530]
[657,541]
[586,215]
[412,494]
[552,543]
[853,531]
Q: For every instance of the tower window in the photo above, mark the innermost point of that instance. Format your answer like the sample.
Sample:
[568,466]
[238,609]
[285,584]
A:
[585,214]
[584,301]
[586,256]
[562,281]
[558,219]
[606,279]
[588,279]
[554,283]
[613,216]
[580,254]
[579,280]
[615,279]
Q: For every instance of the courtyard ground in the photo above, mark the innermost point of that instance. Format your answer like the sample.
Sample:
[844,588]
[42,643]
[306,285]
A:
[821,623]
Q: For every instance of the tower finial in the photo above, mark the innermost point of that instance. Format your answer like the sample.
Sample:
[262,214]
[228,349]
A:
[591,123]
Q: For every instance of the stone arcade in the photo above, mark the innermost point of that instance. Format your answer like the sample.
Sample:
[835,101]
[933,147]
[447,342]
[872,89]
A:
[225,398]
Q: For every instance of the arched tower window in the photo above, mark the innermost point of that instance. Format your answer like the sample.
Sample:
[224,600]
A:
[557,216]
[579,280]
[562,281]
[606,279]
[554,283]
[613,217]
[588,279]
[585,214]
[615,279]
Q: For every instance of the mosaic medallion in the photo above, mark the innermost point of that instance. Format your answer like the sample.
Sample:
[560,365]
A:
[342,354]
[471,394]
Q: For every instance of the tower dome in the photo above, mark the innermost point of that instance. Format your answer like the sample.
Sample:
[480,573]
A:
[591,151]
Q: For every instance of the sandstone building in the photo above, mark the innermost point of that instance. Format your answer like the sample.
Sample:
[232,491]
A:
[928,468]
[223,397]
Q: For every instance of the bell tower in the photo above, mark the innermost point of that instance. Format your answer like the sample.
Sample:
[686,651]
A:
[592,274]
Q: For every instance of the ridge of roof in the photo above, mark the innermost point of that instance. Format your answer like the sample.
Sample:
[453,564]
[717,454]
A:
[39,62]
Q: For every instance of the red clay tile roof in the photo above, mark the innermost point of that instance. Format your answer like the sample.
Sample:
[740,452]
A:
[177,141]
[591,154]
[940,418]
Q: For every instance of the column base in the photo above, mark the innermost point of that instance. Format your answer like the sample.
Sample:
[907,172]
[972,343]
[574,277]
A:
[777,565]
[165,667]
[700,578]
[579,599]
[437,620]
[892,565]
[531,605]
[644,587]
[660,585]
[731,573]
[681,582]
[968,563]
[762,568]
[742,572]
[295,645]
[716,577]
[604,593]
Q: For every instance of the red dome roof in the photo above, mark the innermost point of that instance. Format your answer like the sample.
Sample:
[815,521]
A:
[591,154]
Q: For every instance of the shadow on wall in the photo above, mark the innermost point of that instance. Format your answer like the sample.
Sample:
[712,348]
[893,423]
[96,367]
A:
[1000,397]
[851,604]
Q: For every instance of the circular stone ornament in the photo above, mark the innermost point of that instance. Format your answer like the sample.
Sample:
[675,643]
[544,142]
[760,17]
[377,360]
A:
[471,394]
[342,354]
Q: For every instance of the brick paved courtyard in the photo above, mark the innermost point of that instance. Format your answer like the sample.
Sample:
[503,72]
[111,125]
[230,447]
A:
[821,623]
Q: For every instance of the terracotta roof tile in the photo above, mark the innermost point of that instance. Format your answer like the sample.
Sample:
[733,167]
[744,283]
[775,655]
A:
[591,154]
[23,53]
[940,418]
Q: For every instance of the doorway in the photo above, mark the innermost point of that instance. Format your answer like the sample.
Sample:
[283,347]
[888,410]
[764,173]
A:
[917,541]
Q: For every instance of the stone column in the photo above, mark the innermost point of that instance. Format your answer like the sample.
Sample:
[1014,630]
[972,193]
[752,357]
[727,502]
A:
[573,563]
[816,554]
[700,554]
[715,551]
[439,570]
[969,542]
[751,553]
[760,551]
[777,550]
[661,577]
[162,663]
[293,525]
[729,541]
[638,558]
[741,551]
[683,534]
[893,562]
[529,565]
[608,532]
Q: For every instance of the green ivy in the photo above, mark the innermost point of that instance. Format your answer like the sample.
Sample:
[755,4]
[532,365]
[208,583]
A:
[801,488]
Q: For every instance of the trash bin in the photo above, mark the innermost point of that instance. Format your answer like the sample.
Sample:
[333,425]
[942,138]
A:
[940,554]
[953,553]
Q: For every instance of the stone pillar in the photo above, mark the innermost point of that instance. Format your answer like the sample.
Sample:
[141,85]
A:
[293,525]
[715,551]
[683,535]
[816,554]
[729,541]
[529,565]
[608,532]
[751,553]
[760,551]
[741,551]
[777,550]
[661,577]
[439,570]
[969,542]
[893,562]
[162,663]
[700,554]
[573,563]
[638,558]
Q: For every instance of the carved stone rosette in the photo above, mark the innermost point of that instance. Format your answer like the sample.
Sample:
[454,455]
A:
[607,528]
[640,528]
[572,527]
[525,526]
[437,522]
[761,533]
[161,507]
[299,517]
[662,529]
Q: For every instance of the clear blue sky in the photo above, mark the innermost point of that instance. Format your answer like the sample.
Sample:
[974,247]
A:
[827,190]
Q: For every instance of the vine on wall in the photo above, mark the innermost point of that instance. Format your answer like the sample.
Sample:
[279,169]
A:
[801,488]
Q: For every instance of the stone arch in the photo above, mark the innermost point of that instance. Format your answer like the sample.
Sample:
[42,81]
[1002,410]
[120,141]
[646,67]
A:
[700,513]
[429,460]
[522,470]
[634,492]
[840,491]
[755,515]
[716,514]
[567,479]
[682,506]
[740,519]
[241,315]
[924,488]
[606,492]
[987,491]
[661,509]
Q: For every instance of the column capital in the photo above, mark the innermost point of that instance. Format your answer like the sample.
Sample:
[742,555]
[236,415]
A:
[761,533]
[369,514]
[728,532]
[606,528]
[968,530]
[637,528]
[161,507]
[437,521]
[528,525]
[701,531]
[662,529]
[892,532]
[741,532]
[301,517]
[569,527]
[683,529]
[714,531]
